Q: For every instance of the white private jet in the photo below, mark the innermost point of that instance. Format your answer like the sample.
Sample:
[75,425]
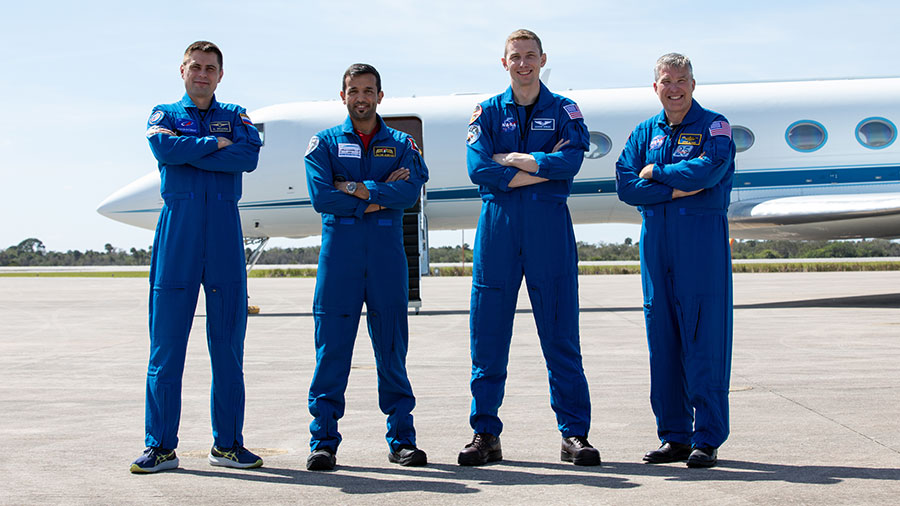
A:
[816,160]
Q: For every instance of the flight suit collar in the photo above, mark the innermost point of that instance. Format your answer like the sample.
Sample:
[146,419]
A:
[545,97]
[186,102]
[694,114]
[382,133]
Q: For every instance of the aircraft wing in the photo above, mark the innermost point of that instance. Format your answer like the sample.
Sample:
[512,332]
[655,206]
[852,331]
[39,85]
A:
[818,216]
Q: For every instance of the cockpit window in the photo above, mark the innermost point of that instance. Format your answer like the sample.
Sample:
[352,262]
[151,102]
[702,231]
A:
[806,136]
[743,138]
[876,133]
[600,146]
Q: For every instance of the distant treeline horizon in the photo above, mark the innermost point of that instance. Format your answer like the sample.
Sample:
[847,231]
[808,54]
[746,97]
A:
[32,252]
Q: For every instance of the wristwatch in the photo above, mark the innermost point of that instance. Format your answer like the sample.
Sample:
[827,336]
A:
[351,187]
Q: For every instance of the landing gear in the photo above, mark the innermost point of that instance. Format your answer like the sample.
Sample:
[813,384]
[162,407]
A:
[260,243]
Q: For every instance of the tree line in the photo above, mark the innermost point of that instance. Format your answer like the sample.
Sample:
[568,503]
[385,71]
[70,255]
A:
[33,252]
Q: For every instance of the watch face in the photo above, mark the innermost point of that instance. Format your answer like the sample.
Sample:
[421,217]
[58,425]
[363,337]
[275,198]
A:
[351,187]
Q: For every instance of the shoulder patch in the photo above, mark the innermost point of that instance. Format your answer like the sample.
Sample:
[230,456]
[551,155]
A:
[313,144]
[156,117]
[475,114]
[573,111]
[413,146]
[246,119]
[720,128]
[474,134]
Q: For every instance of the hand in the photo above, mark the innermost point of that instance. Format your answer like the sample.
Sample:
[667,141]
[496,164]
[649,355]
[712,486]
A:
[559,145]
[501,158]
[647,172]
[371,208]
[161,130]
[401,174]
[223,142]
[677,194]
[342,186]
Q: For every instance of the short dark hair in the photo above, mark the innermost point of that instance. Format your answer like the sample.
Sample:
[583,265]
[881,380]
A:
[206,47]
[358,69]
[523,34]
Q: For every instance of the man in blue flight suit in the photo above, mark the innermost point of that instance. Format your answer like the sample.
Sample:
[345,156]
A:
[361,176]
[524,148]
[202,147]
[677,168]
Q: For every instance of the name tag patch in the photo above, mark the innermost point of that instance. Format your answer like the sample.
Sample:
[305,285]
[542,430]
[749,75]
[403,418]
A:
[682,151]
[657,141]
[385,151]
[690,139]
[219,127]
[187,126]
[347,150]
[543,124]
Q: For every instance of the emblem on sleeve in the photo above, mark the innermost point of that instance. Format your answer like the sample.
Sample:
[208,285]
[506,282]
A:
[313,144]
[573,111]
[720,128]
[156,117]
[413,146]
[474,134]
[475,114]
[246,119]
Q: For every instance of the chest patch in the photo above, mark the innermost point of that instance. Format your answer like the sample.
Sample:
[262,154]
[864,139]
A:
[682,151]
[187,126]
[219,127]
[657,141]
[548,124]
[508,125]
[348,150]
[385,151]
[689,139]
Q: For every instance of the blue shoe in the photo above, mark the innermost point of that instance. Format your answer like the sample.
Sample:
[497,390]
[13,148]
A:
[155,459]
[236,456]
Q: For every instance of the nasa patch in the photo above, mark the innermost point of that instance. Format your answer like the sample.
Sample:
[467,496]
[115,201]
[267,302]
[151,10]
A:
[683,151]
[313,144]
[548,124]
[474,134]
[348,150]
[508,125]
[475,114]
[156,117]
[187,126]
[657,142]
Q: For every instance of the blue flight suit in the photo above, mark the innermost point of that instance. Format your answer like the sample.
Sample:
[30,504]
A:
[362,260]
[198,240]
[685,269]
[526,230]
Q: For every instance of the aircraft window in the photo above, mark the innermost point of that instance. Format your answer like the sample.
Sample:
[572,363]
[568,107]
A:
[876,133]
[806,135]
[600,146]
[262,132]
[743,138]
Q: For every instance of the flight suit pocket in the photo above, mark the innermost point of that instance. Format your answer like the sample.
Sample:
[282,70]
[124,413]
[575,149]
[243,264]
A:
[223,312]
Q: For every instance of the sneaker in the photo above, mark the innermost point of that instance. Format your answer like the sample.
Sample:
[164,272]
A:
[484,448]
[321,459]
[236,456]
[408,455]
[155,459]
[577,450]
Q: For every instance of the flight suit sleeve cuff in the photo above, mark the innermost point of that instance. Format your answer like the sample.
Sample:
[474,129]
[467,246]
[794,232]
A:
[508,174]
[540,158]
[373,191]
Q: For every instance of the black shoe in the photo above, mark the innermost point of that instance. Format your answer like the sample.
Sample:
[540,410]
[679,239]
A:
[408,455]
[484,448]
[668,452]
[577,450]
[704,456]
[321,459]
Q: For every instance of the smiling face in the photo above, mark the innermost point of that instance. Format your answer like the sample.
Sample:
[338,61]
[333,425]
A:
[361,96]
[523,60]
[675,87]
[201,73]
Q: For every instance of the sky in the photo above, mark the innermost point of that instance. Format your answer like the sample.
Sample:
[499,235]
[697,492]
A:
[79,79]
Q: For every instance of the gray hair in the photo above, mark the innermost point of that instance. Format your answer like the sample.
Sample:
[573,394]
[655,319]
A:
[673,60]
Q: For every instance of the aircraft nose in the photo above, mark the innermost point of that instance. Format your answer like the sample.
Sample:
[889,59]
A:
[137,203]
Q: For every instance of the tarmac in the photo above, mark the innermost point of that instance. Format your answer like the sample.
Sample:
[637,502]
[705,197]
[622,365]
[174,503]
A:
[815,401]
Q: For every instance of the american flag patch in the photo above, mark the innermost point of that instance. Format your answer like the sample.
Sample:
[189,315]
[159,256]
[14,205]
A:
[246,119]
[720,128]
[573,111]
